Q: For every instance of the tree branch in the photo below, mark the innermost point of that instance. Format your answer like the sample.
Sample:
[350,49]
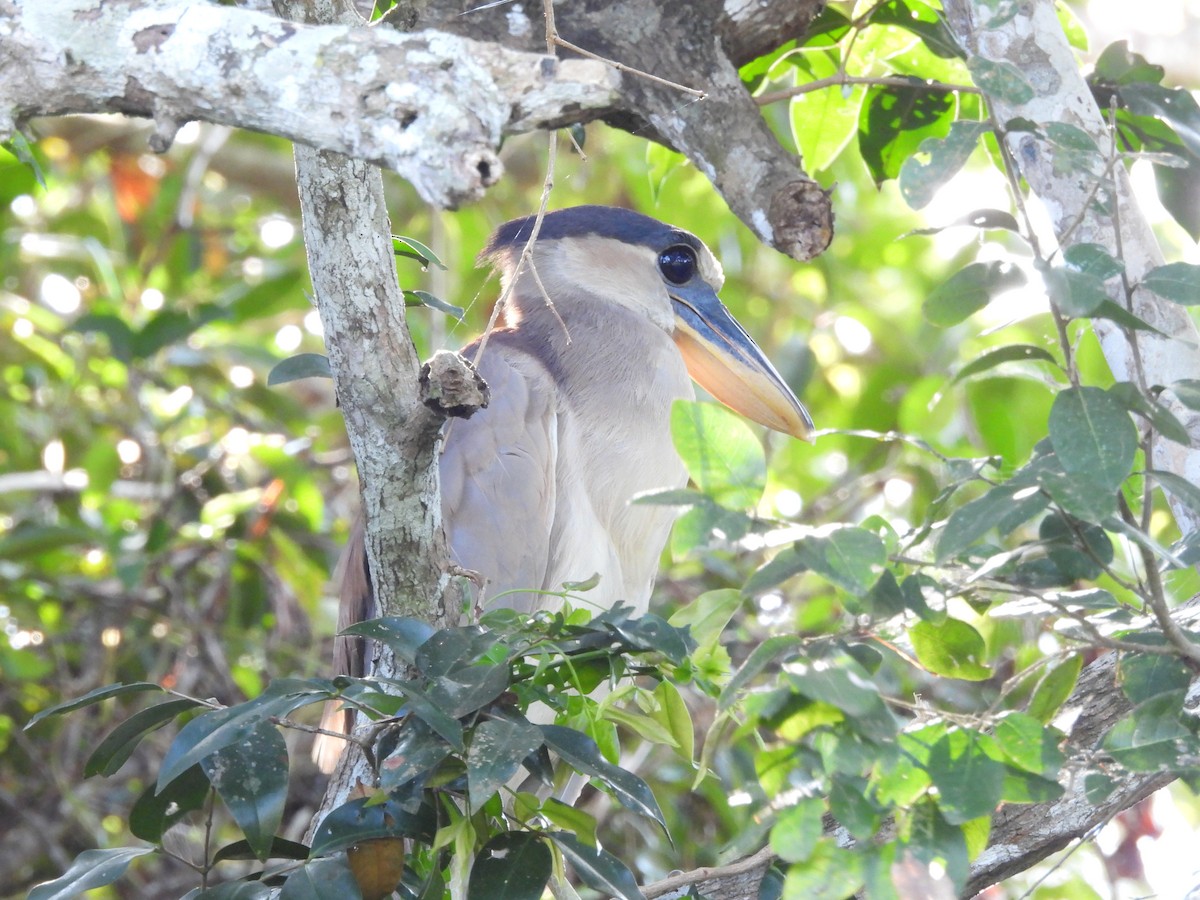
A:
[1034,42]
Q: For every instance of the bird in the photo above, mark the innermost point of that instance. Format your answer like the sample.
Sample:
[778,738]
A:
[606,325]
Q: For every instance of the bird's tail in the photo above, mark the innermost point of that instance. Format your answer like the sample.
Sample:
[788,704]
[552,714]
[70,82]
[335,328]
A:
[357,604]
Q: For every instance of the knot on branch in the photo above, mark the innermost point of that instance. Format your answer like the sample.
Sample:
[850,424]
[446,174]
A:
[801,218]
[452,386]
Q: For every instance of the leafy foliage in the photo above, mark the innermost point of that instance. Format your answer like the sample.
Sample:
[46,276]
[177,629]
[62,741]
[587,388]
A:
[885,627]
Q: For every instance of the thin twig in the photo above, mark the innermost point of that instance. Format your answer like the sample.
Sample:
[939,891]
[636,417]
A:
[841,79]
[761,859]
[553,39]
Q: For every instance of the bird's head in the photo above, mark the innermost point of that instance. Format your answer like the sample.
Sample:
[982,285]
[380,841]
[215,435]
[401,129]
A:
[664,273]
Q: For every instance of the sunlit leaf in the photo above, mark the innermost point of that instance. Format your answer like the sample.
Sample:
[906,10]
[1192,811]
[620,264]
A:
[921,178]
[411,248]
[970,290]
[951,648]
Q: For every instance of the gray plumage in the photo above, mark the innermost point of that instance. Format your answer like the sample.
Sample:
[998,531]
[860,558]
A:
[536,488]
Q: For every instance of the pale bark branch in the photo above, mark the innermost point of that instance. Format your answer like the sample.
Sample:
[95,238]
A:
[1034,42]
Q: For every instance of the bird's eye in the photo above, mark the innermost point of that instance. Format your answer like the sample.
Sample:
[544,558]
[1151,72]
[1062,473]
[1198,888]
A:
[678,264]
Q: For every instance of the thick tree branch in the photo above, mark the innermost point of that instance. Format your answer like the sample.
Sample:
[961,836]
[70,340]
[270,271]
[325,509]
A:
[432,105]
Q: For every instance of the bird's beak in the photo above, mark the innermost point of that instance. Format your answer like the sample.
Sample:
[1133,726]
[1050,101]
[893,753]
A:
[726,362]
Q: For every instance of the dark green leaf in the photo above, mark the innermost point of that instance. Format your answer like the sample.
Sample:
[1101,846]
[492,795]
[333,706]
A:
[921,178]
[895,120]
[494,754]
[281,848]
[1119,65]
[1187,390]
[1006,505]
[411,248]
[171,327]
[467,690]
[112,752]
[774,649]
[362,820]
[1143,676]
[215,730]
[1159,416]
[302,365]
[848,688]
[1093,259]
[1025,787]
[951,648]
[1175,106]
[233,890]
[402,634]
[97,696]
[1146,739]
[515,865]
[153,813]
[251,777]
[970,290]
[1083,296]
[118,332]
[1001,80]
[597,868]
[1180,488]
[970,783]
[424,298]
[581,753]
[1008,353]
[849,805]
[91,869]
[1179,192]
[418,751]
[321,879]
[30,540]
[1179,282]
[921,20]
[1093,437]
[1119,314]
[453,648]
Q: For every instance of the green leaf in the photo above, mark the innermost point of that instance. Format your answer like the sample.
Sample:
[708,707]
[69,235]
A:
[1117,64]
[1179,282]
[403,635]
[494,754]
[1174,106]
[515,865]
[707,615]
[153,813]
[112,752]
[1093,437]
[722,454]
[774,649]
[1001,80]
[216,730]
[823,122]
[116,329]
[171,326]
[921,178]
[582,753]
[1187,390]
[251,777]
[362,819]
[1004,507]
[1147,739]
[1163,420]
[1093,259]
[91,869]
[1083,296]
[597,868]
[1028,744]
[1180,488]
[797,830]
[418,750]
[849,688]
[411,248]
[233,890]
[951,648]
[829,873]
[970,290]
[321,879]
[424,298]
[850,806]
[922,20]
[970,783]
[1119,314]
[1008,353]
[302,365]
[845,555]
[895,120]
[1143,676]
[98,695]
[30,540]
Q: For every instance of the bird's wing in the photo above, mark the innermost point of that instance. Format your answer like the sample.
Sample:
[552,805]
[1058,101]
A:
[498,476]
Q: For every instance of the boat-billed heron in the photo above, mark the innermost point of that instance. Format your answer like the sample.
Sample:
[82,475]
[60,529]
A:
[599,339]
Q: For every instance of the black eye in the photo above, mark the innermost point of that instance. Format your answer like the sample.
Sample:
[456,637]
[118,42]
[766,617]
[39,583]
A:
[678,264]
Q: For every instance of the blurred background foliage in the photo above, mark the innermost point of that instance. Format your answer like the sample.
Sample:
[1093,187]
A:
[166,516]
